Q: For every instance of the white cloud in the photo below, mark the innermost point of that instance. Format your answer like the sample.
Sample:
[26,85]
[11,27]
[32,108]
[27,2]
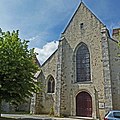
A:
[47,50]
[39,40]
[39,21]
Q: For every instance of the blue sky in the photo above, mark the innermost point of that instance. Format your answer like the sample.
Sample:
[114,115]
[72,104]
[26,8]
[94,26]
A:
[42,21]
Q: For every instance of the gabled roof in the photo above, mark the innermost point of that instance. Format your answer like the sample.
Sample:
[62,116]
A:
[81,3]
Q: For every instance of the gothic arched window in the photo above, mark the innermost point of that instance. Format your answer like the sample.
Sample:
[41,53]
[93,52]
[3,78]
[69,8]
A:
[83,64]
[51,85]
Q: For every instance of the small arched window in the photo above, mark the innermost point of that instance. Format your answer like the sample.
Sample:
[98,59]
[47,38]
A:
[83,63]
[51,85]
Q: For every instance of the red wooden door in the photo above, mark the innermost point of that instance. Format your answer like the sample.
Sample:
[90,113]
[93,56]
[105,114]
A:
[84,104]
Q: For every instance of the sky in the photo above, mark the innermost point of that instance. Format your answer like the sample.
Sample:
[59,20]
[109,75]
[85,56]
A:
[42,21]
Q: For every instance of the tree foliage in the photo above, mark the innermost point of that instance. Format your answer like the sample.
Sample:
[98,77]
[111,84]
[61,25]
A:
[119,44]
[17,68]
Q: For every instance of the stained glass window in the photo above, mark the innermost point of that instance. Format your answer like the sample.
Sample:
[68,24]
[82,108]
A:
[83,63]
[51,85]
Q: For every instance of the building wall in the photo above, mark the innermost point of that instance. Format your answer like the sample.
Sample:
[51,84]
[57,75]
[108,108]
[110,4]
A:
[106,69]
[91,35]
[116,33]
[83,27]
[115,72]
[45,101]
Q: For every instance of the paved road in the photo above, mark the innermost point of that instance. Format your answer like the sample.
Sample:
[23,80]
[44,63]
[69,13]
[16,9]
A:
[34,117]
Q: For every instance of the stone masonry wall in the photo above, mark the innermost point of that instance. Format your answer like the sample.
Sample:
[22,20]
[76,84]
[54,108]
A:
[58,81]
[90,34]
[46,101]
[107,71]
[115,73]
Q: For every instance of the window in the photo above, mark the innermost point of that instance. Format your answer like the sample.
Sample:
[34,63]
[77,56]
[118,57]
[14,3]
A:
[81,26]
[51,85]
[116,114]
[83,64]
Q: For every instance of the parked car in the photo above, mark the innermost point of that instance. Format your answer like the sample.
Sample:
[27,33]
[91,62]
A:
[112,115]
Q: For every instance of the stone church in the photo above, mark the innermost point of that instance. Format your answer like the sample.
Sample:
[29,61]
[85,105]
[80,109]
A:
[82,77]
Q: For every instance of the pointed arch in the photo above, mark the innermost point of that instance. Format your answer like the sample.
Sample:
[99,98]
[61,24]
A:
[51,84]
[82,63]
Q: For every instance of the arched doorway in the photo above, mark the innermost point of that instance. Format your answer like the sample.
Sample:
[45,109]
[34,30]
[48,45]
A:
[84,104]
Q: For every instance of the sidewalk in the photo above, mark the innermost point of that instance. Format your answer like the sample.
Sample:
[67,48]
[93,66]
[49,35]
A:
[36,117]
[42,117]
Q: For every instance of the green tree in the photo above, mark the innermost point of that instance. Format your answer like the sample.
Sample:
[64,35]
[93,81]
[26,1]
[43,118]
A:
[17,69]
[119,44]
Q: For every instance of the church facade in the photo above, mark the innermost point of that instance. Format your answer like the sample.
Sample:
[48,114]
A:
[82,77]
